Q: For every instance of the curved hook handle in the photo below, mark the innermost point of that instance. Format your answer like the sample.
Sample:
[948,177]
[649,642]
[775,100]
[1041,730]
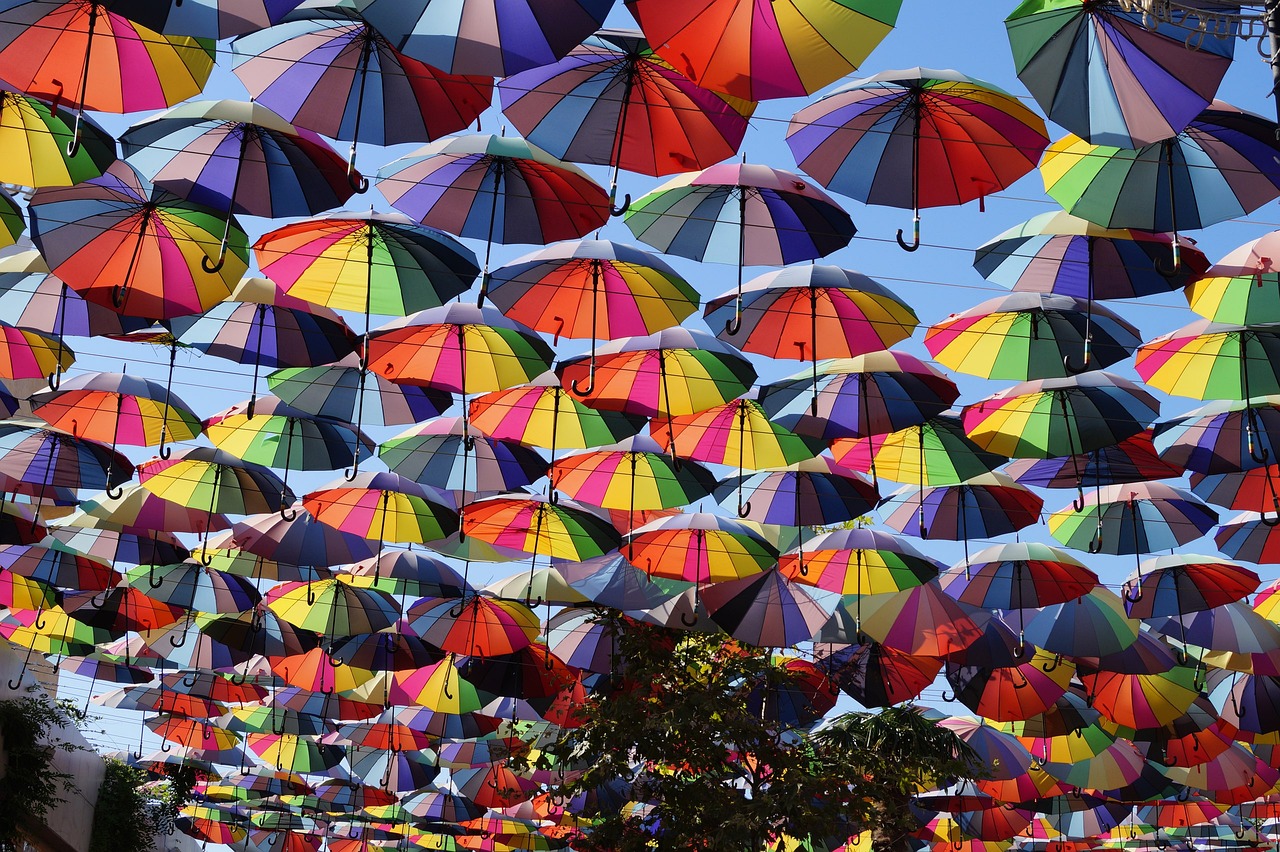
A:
[216,266]
[744,509]
[117,295]
[357,181]
[178,643]
[55,378]
[1260,454]
[915,238]
[40,623]
[1052,664]
[115,491]
[554,498]
[189,680]
[1095,543]
[96,604]
[239,679]
[684,619]
[311,595]
[287,515]
[165,747]
[1168,272]
[17,684]
[946,696]
[1077,503]
[1072,368]
[350,473]
[334,662]
[1271,522]
[152,580]
[445,689]
[626,205]
[1136,595]
[1020,650]
[733,326]
[455,611]
[165,451]
[206,557]
[580,391]
[548,663]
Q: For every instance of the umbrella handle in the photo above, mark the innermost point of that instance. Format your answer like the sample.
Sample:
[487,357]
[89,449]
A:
[591,385]
[350,473]
[178,643]
[1129,589]
[1072,368]
[1052,664]
[40,623]
[93,602]
[1095,543]
[206,556]
[216,266]
[1077,503]
[1169,272]
[333,661]
[948,696]
[152,580]
[744,509]
[1258,453]
[55,378]
[115,491]
[733,326]
[287,515]
[548,663]
[165,747]
[619,211]
[684,619]
[238,679]
[357,181]
[915,236]
[189,680]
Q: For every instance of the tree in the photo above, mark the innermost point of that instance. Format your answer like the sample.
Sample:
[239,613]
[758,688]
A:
[713,734]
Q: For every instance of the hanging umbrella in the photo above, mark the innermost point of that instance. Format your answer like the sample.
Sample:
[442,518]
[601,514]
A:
[699,547]
[214,19]
[631,292]
[612,581]
[1025,688]
[1239,288]
[767,609]
[1206,360]
[29,354]
[475,37]
[1031,336]
[935,452]
[749,215]
[275,434]
[1221,166]
[494,189]
[36,136]
[1092,625]
[1133,518]
[345,390]
[921,620]
[50,458]
[1250,490]
[300,541]
[1132,460]
[276,169]
[1113,74]
[333,607]
[987,506]
[876,676]
[384,507]
[613,101]
[382,263]
[56,567]
[478,626]
[260,325]
[866,395]
[118,409]
[456,456]
[140,512]
[328,70]
[812,492]
[917,138]
[629,475]
[1060,417]
[784,313]
[40,42]
[559,529]
[758,51]
[1222,437]
[192,586]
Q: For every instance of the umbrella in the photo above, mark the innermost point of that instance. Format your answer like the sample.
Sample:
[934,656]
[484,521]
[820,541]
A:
[1222,437]
[784,313]
[1177,584]
[494,189]
[631,292]
[865,395]
[1018,576]
[1114,75]
[477,626]
[140,512]
[934,452]
[749,215]
[613,101]
[333,607]
[1132,460]
[328,70]
[29,354]
[345,390]
[240,158]
[50,458]
[1009,692]
[134,246]
[300,541]
[876,676]
[192,586]
[36,136]
[986,506]
[815,490]
[383,506]
[1133,518]
[476,37]
[757,51]
[612,581]
[1239,288]
[631,474]
[960,139]
[455,456]
[1249,489]
[1206,360]
[1092,625]
[41,41]
[767,609]
[921,620]
[699,547]
[1221,166]
[1031,336]
[214,19]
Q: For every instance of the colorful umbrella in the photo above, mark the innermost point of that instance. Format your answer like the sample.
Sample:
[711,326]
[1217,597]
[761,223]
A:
[1030,336]
[1114,75]
[455,456]
[1205,360]
[857,397]
[140,512]
[935,452]
[1221,166]
[477,626]
[345,390]
[631,292]
[328,70]
[960,139]
[699,547]
[1132,460]
[132,246]
[758,51]
[767,609]
[1133,518]
[613,101]
[36,136]
[333,607]
[476,37]
[238,157]
[876,676]
[986,506]
[749,215]
[192,586]
[29,354]
[816,491]
[300,541]
[1239,288]
[559,529]
[631,474]
[1092,625]
[494,189]
[383,506]
[1221,436]
[1013,692]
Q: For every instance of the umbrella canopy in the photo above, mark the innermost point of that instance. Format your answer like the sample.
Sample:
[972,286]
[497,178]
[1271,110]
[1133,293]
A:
[36,137]
[1111,74]
[735,433]
[333,607]
[1092,625]
[117,408]
[986,506]
[699,547]
[383,506]
[767,609]
[1222,437]
[859,562]
[1132,460]
[455,456]
[917,138]
[1238,288]
[535,525]
[134,246]
[815,490]
[345,390]
[632,474]
[1133,518]
[935,452]
[876,676]
[757,51]
[1208,360]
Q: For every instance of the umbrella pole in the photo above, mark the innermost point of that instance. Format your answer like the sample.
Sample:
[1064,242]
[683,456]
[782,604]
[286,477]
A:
[44,486]
[289,515]
[595,313]
[1275,501]
[164,450]
[964,531]
[1088,317]
[666,404]
[206,557]
[55,378]
[552,496]
[744,509]
[259,322]
[631,510]
[619,136]
[211,268]
[916,107]
[350,473]
[355,180]
[468,442]
[857,598]
[114,491]
[924,531]
[533,562]
[73,146]
[120,292]
[1173,215]
[488,243]
[733,326]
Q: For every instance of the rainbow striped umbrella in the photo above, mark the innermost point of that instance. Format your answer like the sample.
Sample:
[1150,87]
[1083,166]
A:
[382,263]
[33,298]
[859,562]
[758,50]
[87,55]
[154,243]
[632,474]
[543,414]
[699,547]
[118,409]
[214,19]
[1132,460]
[921,620]
[1007,693]
[333,607]
[856,397]
[485,37]
[1222,437]
[455,456]
[1139,517]
[1030,336]
[345,390]
[749,215]
[768,610]
[986,506]
[1092,625]
[494,189]
[383,506]
[327,69]
[737,432]
[29,354]
[240,158]
[1240,288]
[613,101]
[139,512]
[1060,417]
[192,586]
[477,626]
[35,138]
[1208,360]
[302,541]
[562,530]
[917,138]
[812,492]
[935,452]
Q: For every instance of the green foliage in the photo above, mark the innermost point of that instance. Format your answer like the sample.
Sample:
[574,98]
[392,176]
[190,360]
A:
[685,724]
[31,786]
[121,821]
